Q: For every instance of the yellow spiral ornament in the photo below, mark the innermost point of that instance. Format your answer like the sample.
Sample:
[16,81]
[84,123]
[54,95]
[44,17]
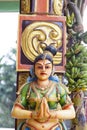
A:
[37,33]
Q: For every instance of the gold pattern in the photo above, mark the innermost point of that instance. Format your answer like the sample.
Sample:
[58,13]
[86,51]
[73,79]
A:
[57,7]
[41,32]
[22,78]
[25,6]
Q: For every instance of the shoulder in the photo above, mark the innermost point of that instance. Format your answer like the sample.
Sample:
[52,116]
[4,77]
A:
[61,88]
[23,89]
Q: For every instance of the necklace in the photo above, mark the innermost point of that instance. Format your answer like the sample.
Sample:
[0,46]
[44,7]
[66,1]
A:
[42,87]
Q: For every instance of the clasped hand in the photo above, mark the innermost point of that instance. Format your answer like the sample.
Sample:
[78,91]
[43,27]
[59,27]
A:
[43,112]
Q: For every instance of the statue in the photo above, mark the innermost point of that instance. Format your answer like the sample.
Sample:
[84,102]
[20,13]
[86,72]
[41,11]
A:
[42,101]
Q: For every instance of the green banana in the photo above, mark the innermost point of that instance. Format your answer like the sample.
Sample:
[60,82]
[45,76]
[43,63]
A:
[72,51]
[82,65]
[68,54]
[73,59]
[82,74]
[68,75]
[79,49]
[71,81]
[76,72]
[76,46]
[70,64]
[82,84]
[80,81]
[83,69]
[76,62]
[72,72]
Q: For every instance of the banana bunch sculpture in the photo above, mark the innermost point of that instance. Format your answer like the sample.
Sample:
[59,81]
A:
[76,67]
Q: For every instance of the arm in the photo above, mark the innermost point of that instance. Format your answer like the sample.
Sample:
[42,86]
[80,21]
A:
[19,110]
[20,113]
[68,113]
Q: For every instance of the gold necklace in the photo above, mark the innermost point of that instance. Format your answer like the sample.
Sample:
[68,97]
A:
[42,87]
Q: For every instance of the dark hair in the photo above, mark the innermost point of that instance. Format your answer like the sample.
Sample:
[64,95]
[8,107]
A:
[46,55]
[51,49]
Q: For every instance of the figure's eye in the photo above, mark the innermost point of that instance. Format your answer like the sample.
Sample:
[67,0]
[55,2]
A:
[47,67]
[39,67]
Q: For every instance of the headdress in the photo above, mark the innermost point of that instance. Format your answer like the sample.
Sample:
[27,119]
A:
[48,53]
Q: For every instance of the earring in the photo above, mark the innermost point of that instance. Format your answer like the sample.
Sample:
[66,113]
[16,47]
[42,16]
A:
[32,72]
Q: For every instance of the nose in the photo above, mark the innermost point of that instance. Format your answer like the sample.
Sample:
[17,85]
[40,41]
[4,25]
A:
[43,68]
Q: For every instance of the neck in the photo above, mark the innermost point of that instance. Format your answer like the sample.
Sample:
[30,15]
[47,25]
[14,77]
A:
[43,83]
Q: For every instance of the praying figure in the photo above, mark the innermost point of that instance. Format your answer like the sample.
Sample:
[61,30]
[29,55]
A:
[43,101]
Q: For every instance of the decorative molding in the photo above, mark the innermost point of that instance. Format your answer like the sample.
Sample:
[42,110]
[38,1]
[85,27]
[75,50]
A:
[9,5]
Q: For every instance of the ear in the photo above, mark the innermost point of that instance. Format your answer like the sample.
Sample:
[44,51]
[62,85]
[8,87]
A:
[53,71]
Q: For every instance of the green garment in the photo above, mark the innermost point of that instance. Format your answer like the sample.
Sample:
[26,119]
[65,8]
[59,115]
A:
[55,94]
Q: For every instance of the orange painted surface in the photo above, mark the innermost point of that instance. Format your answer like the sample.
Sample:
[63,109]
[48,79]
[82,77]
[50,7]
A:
[41,6]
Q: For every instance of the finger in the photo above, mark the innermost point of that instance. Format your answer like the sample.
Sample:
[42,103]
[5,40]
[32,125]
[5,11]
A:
[41,110]
[46,104]
[46,108]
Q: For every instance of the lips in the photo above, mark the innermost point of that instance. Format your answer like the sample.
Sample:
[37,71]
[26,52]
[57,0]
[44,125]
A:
[42,73]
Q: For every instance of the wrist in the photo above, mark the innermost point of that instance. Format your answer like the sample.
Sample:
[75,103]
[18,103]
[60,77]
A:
[53,114]
[30,114]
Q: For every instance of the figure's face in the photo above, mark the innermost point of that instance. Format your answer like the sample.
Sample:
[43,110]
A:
[43,69]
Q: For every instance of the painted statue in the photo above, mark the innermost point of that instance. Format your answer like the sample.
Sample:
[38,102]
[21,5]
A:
[43,101]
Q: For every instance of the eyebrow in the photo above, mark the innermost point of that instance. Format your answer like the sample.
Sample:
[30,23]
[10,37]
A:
[41,64]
